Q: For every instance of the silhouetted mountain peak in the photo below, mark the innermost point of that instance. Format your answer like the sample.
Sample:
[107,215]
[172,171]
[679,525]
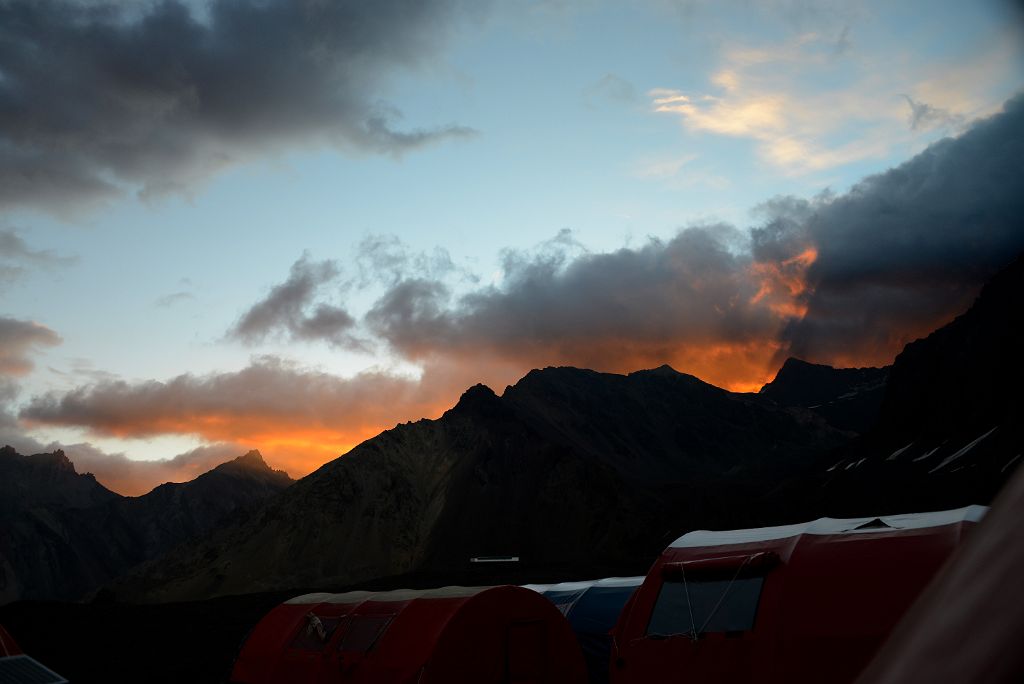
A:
[48,479]
[252,459]
[478,400]
[667,372]
[249,465]
[57,460]
[848,398]
[663,369]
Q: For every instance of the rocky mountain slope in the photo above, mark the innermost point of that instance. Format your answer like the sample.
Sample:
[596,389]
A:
[848,398]
[62,534]
[569,468]
[951,426]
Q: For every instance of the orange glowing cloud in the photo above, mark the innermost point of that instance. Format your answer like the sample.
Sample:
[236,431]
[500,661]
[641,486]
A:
[298,417]
[783,284]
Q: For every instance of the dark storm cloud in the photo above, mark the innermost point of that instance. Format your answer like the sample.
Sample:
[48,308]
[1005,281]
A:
[632,306]
[842,279]
[17,340]
[905,250]
[99,96]
[846,279]
[290,309]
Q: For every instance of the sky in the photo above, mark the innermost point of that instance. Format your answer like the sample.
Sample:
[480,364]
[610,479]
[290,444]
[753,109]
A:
[288,226]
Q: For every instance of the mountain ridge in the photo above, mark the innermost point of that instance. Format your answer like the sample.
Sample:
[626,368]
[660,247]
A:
[848,398]
[602,454]
[66,534]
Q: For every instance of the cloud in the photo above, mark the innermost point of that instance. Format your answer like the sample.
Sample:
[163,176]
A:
[300,308]
[610,88]
[18,339]
[807,104]
[117,472]
[299,417]
[905,250]
[688,300]
[843,278]
[14,248]
[16,255]
[289,309]
[168,300]
[662,168]
[793,132]
[133,477]
[924,115]
[99,98]
[385,259]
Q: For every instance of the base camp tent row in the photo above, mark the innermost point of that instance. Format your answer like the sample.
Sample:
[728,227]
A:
[478,635]
[799,603]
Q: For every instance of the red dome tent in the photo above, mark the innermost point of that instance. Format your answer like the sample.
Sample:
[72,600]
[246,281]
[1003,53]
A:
[454,634]
[799,603]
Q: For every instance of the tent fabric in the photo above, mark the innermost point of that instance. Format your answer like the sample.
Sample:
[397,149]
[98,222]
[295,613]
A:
[912,521]
[23,669]
[967,626]
[592,608]
[8,646]
[453,634]
[800,603]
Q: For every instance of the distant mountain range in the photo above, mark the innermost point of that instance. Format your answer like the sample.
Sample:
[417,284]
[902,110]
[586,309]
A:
[62,534]
[569,470]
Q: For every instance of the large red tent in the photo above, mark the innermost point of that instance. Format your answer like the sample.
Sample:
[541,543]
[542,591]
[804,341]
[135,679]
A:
[810,602]
[453,634]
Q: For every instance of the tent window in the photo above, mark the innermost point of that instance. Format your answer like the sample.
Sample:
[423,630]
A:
[716,606]
[315,632]
[363,632]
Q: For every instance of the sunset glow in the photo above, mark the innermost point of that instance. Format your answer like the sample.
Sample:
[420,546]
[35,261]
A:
[290,226]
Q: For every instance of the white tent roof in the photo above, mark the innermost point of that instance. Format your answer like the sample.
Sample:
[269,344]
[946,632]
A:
[586,584]
[907,521]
